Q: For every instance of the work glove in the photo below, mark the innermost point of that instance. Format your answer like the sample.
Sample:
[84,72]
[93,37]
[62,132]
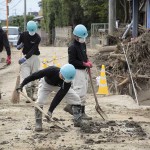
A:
[90,63]
[87,64]
[20,46]
[22,60]
[8,60]
[48,116]
[19,88]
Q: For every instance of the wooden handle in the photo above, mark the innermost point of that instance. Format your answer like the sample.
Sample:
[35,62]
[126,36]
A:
[92,86]
[34,104]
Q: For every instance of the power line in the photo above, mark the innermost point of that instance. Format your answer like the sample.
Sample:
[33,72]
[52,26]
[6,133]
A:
[15,4]
[2,3]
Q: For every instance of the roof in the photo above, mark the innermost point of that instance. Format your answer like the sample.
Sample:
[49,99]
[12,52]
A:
[38,18]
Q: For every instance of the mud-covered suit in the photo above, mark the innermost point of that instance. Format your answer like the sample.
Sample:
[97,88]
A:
[32,62]
[77,54]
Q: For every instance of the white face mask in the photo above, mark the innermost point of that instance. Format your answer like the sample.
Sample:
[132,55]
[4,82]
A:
[67,81]
[31,33]
[82,40]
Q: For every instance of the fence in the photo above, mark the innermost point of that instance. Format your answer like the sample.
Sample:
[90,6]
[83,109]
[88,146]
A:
[96,26]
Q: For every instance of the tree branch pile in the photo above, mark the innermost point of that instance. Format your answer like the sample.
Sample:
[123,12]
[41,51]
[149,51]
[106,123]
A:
[117,72]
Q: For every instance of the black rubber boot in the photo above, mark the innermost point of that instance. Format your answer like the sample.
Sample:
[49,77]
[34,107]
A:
[68,108]
[84,115]
[38,120]
[29,93]
[77,113]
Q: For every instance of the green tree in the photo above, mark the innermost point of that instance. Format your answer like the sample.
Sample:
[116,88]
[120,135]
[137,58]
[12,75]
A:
[72,12]
[19,21]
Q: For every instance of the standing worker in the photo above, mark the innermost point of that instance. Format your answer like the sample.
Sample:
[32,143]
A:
[59,80]
[30,63]
[77,54]
[5,43]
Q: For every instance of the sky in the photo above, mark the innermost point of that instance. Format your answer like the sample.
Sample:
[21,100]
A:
[16,7]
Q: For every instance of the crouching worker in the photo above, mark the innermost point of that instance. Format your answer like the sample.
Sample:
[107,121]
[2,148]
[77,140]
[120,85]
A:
[58,80]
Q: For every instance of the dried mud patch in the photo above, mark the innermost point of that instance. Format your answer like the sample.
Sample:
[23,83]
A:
[112,131]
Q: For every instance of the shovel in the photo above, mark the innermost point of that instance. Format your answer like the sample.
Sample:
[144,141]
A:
[39,108]
[97,107]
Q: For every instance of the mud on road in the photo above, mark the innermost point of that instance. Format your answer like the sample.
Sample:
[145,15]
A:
[127,127]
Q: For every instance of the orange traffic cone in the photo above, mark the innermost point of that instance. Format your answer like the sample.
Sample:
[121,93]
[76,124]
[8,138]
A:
[103,88]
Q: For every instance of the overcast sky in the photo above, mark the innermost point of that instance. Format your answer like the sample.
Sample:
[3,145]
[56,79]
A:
[16,7]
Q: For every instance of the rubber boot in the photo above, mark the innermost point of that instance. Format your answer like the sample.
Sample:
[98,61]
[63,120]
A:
[68,108]
[29,93]
[34,93]
[77,113]
[48,116]
[84,115]
[38,120]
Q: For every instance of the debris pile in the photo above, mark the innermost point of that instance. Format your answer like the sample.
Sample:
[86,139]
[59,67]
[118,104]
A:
[118,77]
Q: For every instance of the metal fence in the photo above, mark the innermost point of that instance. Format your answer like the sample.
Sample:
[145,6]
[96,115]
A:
[96,26]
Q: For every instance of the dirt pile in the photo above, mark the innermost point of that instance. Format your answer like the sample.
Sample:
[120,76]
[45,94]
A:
[111,131]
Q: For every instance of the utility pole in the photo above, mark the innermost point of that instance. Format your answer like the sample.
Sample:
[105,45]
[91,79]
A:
[25,19]
[148,14]
[112,16]
[7,14]
[135,18]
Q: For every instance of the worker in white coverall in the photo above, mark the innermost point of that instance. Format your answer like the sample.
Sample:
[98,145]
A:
[58,80]
[30,63]
[77,56]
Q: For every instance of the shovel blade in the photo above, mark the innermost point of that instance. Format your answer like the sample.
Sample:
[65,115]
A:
[101,113]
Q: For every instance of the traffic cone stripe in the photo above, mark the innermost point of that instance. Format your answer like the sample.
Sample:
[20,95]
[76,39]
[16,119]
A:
[102,78]
[103,85]
[102,70]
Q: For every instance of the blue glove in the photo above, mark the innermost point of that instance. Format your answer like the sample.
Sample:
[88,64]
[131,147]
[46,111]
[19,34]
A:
[20,46]
[22,60]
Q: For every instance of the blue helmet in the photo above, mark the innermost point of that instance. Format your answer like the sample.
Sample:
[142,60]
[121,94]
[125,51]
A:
[68,72]
[80,31]
[31,27]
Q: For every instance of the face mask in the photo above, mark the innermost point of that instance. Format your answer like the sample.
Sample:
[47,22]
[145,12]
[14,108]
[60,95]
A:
[82,40]
[31,33]
[67,81]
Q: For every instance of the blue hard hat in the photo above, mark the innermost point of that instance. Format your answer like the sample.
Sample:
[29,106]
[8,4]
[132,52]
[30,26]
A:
[68,72]
[80,31]
[31,26]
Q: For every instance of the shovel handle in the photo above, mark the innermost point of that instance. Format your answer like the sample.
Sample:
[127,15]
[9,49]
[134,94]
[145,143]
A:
[34,104]
[90,76]
[97,107]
